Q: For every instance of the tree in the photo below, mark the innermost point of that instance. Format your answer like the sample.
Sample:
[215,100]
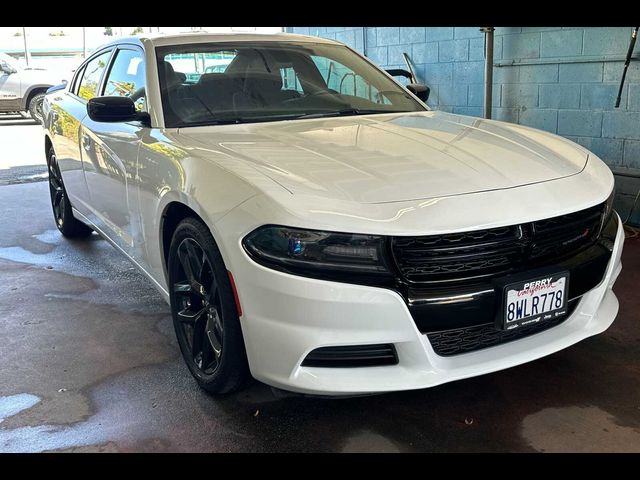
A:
[137,30]
[108,31]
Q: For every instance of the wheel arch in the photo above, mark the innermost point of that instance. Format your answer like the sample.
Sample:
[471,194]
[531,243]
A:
[173,212]
[33,90]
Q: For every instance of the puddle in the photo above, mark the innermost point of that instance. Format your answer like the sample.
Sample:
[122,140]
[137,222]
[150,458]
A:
[94,259]
[579,429]
[369,442]
[51,237]
[19,254]
[14,404]
[131,408]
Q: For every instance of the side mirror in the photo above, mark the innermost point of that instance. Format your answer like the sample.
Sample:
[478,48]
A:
[6,68]
[112,109]
[419,90]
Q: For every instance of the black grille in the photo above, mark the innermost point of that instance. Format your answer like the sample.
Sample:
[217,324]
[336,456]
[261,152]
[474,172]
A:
[352,356]
[463,340]
[473,255]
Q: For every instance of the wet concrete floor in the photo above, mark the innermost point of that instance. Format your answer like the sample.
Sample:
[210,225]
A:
[90,363]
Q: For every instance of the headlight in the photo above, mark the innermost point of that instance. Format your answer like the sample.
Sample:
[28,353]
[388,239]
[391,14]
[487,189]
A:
[318,254]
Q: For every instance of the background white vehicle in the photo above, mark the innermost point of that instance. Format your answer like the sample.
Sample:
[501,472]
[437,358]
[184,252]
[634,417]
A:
[23,89]
[311,221]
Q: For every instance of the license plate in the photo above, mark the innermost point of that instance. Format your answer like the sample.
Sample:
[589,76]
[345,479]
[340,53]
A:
[535,300]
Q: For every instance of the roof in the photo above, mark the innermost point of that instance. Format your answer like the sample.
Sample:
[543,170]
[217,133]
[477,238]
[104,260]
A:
[201,37]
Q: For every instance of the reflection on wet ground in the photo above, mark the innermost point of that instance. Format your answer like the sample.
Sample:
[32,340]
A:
[90,363]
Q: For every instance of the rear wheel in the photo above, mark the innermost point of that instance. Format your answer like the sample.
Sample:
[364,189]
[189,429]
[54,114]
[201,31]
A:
[35,107]
[204,310]
[68,225]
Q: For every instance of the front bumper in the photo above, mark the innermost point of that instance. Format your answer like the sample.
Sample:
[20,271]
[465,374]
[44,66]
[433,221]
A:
[286,317]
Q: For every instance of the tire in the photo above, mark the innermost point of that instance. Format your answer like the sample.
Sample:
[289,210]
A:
[35,107]
[204,311]
[68,225]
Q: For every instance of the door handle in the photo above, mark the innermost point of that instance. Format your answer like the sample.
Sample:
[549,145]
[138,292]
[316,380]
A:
[86,142]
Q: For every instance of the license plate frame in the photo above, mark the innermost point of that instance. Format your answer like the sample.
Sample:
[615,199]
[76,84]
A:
[517,284]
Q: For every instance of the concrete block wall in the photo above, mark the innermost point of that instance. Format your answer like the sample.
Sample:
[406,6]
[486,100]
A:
[560,79]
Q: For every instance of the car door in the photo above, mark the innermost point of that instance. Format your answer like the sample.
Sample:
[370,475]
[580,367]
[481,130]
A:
[110,153]
[68,109]
[10,98]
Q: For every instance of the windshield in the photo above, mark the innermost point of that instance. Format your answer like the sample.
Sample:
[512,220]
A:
[8,59]
[208,84]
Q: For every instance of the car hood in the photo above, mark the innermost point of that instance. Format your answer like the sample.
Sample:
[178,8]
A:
[38,76]
[394,157]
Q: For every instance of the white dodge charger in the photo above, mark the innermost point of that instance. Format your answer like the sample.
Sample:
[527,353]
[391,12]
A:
[312,223]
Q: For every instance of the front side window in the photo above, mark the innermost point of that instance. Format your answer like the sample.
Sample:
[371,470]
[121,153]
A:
[207,84]
[126,78]
[76,81]
[91,76]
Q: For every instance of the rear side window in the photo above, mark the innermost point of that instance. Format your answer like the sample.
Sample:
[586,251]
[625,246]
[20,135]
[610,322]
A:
[91,76]
[126,78]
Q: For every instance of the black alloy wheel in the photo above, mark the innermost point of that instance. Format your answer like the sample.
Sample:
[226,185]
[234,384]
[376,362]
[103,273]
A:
[68,225]
[199,309]
[58,197]
[204,311]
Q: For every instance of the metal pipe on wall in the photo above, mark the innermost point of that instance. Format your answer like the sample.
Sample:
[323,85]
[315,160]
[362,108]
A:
[364,41]
[488,69]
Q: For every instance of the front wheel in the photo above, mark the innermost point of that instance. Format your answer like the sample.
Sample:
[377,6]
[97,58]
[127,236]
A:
[204,312]
[35,107]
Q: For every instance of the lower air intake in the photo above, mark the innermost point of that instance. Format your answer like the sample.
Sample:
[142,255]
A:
[352,356]
[468,339]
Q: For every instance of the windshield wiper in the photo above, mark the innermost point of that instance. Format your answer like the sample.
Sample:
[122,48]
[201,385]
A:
[237,120]
[289,116]
[343,112]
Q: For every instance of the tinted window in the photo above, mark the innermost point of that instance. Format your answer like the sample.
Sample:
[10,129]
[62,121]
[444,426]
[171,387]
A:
[271,81]
[76,82]
[346,81]
[127,78]
[290,80]
[91,77]
[193,65]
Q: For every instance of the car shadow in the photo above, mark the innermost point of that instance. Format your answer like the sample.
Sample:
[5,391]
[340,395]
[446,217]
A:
[16,120]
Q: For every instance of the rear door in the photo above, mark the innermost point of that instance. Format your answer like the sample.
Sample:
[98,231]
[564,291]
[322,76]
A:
[110,152]
[68,109]
[10,98]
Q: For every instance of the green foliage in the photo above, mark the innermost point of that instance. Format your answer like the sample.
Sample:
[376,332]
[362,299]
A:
[137,30]
[108,31]
[17,34]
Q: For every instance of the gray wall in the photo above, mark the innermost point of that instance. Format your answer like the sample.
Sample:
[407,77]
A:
[560,79]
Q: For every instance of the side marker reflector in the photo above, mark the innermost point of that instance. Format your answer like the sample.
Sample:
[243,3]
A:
[235,293]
